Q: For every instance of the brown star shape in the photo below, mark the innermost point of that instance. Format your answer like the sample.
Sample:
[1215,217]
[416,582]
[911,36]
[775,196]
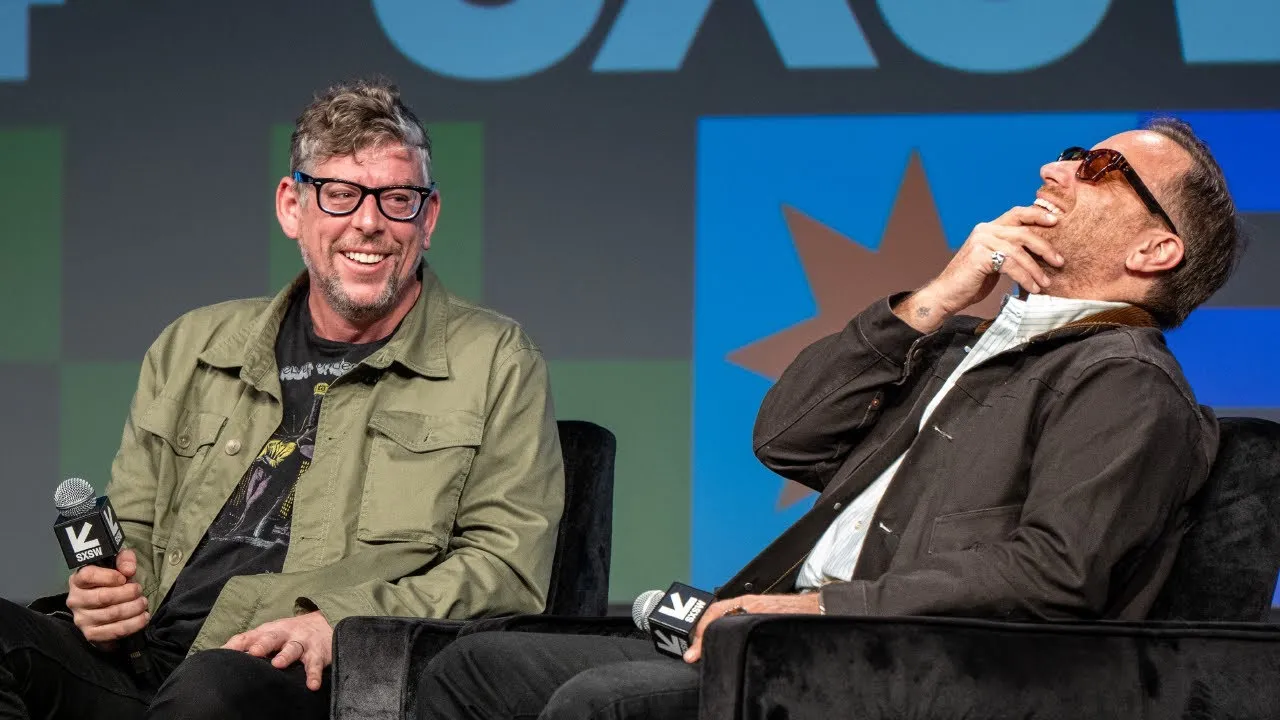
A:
[845,277]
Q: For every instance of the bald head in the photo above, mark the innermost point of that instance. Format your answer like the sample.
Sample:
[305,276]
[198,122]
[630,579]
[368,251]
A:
[1159,161]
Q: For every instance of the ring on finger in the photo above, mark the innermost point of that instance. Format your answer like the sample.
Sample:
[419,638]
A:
[736,610]
[997,260]
[301,647]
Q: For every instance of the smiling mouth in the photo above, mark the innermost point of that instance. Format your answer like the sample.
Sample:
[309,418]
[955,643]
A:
[365,258]
[1054,209]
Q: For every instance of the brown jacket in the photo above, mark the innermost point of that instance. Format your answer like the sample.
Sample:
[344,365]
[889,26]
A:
[1051,482]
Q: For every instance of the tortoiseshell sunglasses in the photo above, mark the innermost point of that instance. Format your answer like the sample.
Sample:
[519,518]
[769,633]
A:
[1095,164]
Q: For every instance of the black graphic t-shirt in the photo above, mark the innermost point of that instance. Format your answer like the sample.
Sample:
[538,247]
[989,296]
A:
[250,535]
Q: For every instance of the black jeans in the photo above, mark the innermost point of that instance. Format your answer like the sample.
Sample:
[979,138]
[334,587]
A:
[48,670]
[491,675]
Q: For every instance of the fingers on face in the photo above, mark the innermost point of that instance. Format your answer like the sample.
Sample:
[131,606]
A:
[1020,248]
[1032,215]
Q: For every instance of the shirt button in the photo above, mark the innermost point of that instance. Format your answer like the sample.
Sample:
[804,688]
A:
[857,525]
[175,557]
[233,446]
[749,587]
[837,506]
[184,440]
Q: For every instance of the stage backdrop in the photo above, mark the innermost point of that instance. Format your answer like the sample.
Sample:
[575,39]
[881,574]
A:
[673,196]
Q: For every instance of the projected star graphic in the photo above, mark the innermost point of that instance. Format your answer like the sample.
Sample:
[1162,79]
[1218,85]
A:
[845,277]
[844,210]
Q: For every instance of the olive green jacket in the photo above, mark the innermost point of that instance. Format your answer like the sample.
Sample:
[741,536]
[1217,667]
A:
[435,490]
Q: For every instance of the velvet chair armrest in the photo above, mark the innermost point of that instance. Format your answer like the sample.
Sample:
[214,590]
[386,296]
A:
[377,660]
[371,662]
[809,666]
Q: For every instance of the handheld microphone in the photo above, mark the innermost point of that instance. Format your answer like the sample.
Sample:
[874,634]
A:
[88,534]
[670,617]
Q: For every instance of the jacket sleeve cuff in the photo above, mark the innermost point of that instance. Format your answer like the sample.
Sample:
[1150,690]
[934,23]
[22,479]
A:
[886,333]
[844,598]
[50,604]
[337,605]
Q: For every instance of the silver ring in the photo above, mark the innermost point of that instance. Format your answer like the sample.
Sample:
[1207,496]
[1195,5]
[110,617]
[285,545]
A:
[299,644]
[997,260]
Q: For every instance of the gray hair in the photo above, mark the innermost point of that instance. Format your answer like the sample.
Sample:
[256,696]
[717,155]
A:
[350,117]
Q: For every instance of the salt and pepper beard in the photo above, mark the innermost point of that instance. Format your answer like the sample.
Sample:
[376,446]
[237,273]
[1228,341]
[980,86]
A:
[330,286]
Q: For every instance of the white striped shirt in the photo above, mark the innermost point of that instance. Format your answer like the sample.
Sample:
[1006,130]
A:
[836,553]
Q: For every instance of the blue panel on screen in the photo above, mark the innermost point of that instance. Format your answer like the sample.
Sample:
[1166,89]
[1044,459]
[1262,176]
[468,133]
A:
[844,172]
[1226,354]
[1247,145]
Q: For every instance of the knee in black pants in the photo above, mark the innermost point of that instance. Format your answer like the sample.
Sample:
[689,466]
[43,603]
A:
[210,684]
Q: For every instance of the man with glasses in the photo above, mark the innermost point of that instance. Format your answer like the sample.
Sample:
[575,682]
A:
[1038,465]
[365,443]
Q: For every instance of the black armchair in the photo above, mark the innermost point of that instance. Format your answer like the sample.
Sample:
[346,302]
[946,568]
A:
[373,656]
[1204,654]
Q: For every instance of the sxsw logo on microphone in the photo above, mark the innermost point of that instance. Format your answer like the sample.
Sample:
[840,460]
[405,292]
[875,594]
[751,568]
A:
[682,610]
[678,613]
[84,546]
[91,537]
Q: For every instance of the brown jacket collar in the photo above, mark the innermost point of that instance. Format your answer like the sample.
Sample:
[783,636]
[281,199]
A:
[1128,316]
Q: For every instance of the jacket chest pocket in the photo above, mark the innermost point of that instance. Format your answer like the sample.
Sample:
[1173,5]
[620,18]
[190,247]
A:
[186,435]
[418,465]
[963,530]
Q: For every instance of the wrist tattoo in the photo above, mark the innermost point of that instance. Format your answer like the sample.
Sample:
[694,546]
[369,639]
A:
[923,312]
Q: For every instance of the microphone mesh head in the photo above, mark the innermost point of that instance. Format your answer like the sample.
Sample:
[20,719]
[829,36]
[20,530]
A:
[74,497]
[644,605]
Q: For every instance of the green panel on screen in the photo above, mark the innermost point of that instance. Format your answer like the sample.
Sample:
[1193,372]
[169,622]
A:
[31,243]
[94,403]
[646,405]
[456,248]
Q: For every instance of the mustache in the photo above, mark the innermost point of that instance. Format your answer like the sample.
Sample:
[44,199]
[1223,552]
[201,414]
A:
[1051,196]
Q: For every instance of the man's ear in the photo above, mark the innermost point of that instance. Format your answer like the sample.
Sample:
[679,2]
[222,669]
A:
[1159,251]
[430,214]
[288,207]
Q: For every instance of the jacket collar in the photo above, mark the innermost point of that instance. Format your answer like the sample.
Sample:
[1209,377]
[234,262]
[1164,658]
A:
[1128,316]
[418,344]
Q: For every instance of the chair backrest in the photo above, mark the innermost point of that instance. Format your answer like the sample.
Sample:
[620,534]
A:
[580,571]
[1226,567]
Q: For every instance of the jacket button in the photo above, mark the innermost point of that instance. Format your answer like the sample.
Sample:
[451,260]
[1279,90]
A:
[233,446]
[175,557]
[837,506]
[184,440]
[749,587]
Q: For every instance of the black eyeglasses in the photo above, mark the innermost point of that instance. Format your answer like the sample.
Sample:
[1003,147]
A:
[401,203]
[1095,164]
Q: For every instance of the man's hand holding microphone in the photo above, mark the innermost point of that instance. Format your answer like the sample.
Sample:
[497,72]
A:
[107,604]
